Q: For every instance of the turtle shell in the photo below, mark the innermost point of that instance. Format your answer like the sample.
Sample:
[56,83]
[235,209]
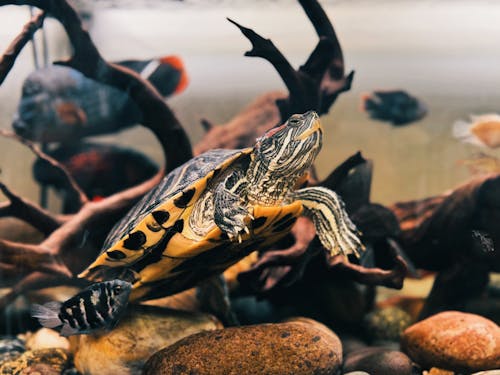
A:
[154,247]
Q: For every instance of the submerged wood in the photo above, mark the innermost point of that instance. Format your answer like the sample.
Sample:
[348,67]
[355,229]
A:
[10,55]
[444,233]
[67,248]
[456,234]
[315,85]
[439,231]
[382,263]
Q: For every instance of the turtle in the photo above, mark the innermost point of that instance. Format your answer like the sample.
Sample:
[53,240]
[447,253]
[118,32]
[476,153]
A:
[220,206]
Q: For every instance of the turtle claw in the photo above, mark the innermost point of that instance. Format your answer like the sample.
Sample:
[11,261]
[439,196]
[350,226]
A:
[230,214]
[233,224]
[236,232]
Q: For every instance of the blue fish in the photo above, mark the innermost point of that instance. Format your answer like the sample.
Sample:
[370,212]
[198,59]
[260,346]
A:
[60,104]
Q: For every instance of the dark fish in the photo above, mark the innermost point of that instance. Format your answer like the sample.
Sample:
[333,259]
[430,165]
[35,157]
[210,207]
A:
[99,169]
[60,104]
[397,107]
[98,306]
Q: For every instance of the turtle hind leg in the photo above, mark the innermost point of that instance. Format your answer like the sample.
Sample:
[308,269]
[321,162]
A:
[213,297]
[334,228]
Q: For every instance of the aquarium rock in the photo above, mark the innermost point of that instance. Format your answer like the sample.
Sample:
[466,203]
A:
[45,361]
[438,371]
[386,323]
[454,341]
[379,361]
[282,348]
[46,338]
[140,333]
[10,349]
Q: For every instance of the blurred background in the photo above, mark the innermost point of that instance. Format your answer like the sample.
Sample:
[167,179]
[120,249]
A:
[446,53]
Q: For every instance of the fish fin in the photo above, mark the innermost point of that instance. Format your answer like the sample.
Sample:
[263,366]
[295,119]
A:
[71,114]
[461,131]
[48,314]
[119,312]
[67,330]
[112,323]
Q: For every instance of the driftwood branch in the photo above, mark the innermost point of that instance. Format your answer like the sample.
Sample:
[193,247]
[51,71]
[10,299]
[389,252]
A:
[10,55]
[455,286]
[391,278]
[334,81]
[241,131]
[456,234]
[25,210]
[281,267]
[68,247]
[317,83]
[314,86]
[339,174]
[31,258]
[35,281]
[440,230]
[71,184]
[157,116]
[294,82]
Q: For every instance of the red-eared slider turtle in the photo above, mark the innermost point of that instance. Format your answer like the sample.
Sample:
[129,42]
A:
[217,208]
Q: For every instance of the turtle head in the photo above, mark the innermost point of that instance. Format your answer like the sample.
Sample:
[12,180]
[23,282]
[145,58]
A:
[291,148]
[283,154]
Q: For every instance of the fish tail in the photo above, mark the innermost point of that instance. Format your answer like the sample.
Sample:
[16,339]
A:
[177,63]
[461,131]
[173,60]
[47,314]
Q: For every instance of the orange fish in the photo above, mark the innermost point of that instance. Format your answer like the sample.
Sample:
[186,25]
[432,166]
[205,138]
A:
[483,130]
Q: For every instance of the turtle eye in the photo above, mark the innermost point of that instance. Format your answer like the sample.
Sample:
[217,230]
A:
[294,121]
[117,289]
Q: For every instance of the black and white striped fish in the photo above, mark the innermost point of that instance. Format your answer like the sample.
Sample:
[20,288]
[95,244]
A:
[98,306]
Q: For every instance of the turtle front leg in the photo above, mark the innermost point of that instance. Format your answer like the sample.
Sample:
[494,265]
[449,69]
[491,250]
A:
[334,228]
[229,212]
